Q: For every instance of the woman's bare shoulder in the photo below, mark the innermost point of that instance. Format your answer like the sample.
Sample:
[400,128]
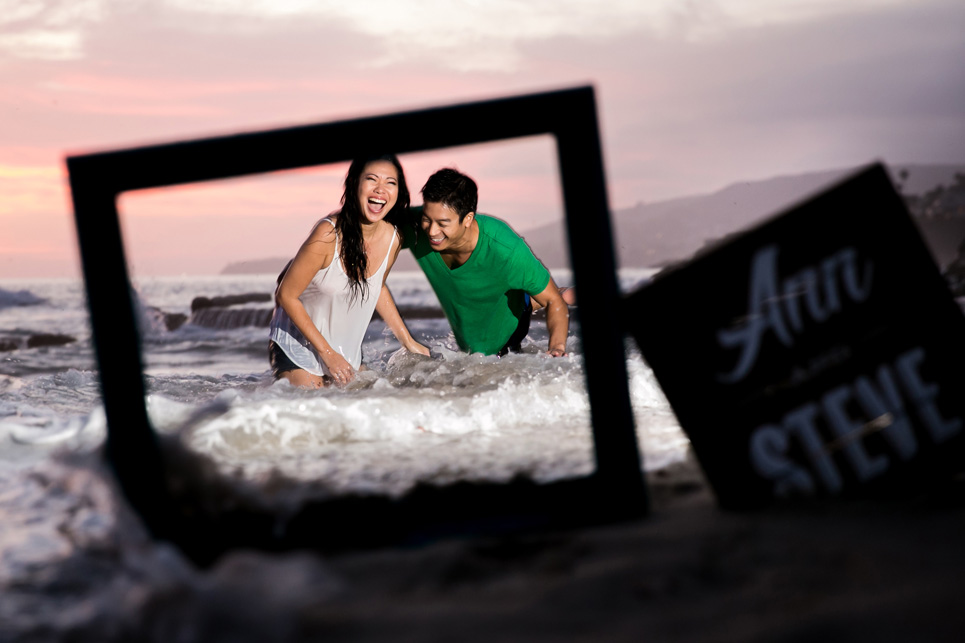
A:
[324,230]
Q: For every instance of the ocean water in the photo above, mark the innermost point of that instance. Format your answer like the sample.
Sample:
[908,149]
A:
[70,552]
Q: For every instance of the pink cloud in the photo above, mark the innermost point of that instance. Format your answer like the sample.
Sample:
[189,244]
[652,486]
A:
[676,117]
[152,88]
[140,96]
[29,189]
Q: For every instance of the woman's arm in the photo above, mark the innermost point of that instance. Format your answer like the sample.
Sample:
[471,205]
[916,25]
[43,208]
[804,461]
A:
[389,313]
[316,253]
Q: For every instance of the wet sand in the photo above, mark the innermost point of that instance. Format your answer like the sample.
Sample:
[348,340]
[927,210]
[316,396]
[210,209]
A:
[831,571]
[845,570]
[854,570]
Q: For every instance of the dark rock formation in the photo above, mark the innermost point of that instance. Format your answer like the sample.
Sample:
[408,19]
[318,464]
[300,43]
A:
[200,303]
[226,312]
[224,318]
[35,340]
[955,273]
[174,321]
[49,339]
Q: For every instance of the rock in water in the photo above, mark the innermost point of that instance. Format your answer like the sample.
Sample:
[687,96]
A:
[200,303]
[49,339]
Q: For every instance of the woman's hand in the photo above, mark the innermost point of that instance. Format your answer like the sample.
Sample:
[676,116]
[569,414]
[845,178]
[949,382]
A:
[341,371]
[415,347]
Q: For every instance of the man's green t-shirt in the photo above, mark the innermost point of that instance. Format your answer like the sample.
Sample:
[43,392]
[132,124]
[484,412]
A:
[483,299]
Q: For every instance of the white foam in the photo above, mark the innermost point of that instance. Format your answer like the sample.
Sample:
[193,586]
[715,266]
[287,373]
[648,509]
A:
[432,420]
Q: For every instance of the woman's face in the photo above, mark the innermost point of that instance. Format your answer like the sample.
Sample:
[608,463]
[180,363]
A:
[378,190]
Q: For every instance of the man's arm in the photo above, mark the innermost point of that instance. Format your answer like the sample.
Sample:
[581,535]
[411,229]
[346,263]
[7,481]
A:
[389,313]
[557,318]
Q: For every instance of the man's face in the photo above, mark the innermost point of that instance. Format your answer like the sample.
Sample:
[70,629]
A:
[442,225]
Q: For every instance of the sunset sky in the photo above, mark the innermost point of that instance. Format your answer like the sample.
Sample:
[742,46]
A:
[693,95]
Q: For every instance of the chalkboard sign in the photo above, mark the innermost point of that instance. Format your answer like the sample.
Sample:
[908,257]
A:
[819,354]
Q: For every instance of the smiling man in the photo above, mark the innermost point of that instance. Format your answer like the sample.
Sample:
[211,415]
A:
[484,274]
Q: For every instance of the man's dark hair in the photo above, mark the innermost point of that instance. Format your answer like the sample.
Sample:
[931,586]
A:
[453,189]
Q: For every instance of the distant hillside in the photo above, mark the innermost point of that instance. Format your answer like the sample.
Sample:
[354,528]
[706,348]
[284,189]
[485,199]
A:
[654,234]
[256,266]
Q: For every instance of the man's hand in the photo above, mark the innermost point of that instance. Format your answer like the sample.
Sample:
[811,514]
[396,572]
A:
[557,318]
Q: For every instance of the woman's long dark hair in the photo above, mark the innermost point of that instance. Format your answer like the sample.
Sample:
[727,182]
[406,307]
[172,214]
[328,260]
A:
[348,224]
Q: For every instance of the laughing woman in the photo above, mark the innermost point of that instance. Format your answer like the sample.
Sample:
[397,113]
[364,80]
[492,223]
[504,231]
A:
[325,299]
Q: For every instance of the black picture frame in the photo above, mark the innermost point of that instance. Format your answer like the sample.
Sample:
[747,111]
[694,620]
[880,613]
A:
[616,490]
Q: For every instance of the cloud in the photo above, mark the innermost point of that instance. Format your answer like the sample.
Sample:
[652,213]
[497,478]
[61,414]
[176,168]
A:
[43,44]
[48,29]
[153,97]
[692,95]
[680,117]
[461,35]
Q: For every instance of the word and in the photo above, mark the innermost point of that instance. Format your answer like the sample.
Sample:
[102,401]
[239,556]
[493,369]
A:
[781,306]
[888,401]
